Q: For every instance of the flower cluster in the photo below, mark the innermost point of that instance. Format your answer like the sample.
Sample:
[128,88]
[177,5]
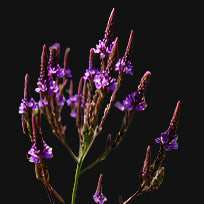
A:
[103,48]
[36,154]
[28,105]
[99,82]
[136,100]
[125,66]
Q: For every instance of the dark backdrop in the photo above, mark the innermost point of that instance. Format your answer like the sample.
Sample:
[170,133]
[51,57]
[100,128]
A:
[159,41]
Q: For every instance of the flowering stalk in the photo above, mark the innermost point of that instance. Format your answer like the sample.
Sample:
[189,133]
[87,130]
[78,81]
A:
[152,174]
[85,107]
[40,151]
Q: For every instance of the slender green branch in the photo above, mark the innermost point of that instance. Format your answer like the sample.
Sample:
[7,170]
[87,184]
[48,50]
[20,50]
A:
[101,158]
[76,180]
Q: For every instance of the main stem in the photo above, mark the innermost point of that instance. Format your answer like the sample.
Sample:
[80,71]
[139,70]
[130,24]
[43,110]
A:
[76,180]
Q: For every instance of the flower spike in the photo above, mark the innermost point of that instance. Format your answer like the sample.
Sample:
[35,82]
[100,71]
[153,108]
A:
[26,89]
[136,100]
[169,139]
[98,196]
[129,47]
[110,25]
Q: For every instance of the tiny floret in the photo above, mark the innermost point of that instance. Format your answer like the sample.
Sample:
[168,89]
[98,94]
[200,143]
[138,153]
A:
[25,106]
[102,48]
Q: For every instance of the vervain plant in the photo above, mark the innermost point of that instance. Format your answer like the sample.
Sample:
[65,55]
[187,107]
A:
[85,107]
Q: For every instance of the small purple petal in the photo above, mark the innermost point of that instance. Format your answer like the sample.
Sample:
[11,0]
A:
[158,140]
[68,73]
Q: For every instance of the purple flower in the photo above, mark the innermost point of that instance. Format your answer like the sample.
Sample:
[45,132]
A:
[56,70]
[68,73]
[103,48]
[42,86]
[112,84]
[43,102]
[60,100]
[125,66]
[36,154]
[98,196]
[89,73]
[101,80]
[168,140]
[27,106]
[132,100]
[53,87]
[73,103]
[73,100]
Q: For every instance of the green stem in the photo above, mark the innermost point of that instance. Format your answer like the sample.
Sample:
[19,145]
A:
[76,180]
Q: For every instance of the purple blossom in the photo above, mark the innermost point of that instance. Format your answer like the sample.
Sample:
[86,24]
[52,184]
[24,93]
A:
[103,48]
[101,80]
[56,71]
[36,154]
[26,106]
[89,73]
[99,197]
[112,84]
[60,100]
[73,103]
[43,102]
[168,140]
[68,73]
[132,100]
[73,100]
[125,66]
[53,87]
[42,86]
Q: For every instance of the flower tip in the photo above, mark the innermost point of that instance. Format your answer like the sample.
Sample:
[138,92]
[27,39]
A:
[44,47]
[148,149]
[55,46]
[176,115]
[178,105]
[26,89]
[99,182]
[112,12]
[147,74]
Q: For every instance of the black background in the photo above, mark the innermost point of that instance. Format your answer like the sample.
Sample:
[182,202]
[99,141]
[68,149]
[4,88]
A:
[159,46]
